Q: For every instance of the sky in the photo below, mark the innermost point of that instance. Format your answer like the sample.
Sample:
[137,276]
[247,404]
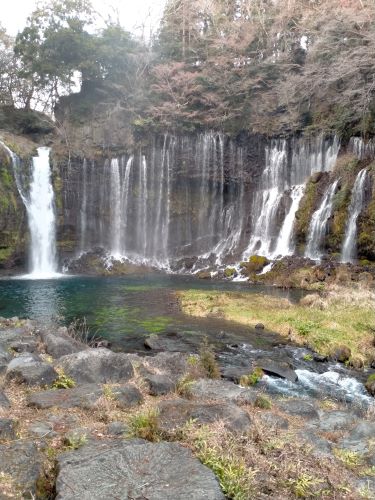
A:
[133,14]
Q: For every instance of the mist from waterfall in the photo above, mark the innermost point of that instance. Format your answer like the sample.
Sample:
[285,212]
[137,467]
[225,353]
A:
[318,224]
[348,253]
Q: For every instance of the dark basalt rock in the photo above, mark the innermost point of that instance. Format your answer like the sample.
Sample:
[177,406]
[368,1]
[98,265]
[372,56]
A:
[60,344]
[24,464]
[281,370]
[84,396]
[30,370]
[97,366]
[177,412]
[117,429]
[127,396]
[4,401]
[134,469]
[299,408]
[222,390]
[8,428]
[159,385]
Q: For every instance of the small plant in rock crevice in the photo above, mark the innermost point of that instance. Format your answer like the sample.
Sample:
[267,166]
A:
[207,360]
[253,378]
[145,425]
[63,382]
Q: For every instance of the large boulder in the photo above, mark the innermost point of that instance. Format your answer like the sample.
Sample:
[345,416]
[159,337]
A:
[29,369]
[84,396]
[277,369]
[60,344]
[22,466]
[134,469]
[96,366]
[175,413]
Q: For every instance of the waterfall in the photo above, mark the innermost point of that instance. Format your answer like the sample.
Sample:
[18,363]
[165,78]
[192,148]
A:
[318,224]
[284,245]
[83,211]
[115,208]
[41,216]
[355,208]
[361,149]
[39,204]
[199,198]
[267,199]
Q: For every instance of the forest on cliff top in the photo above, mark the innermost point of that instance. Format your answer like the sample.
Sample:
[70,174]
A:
[265,66]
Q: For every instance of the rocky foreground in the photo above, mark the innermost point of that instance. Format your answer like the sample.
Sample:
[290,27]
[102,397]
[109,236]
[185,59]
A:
[89,423]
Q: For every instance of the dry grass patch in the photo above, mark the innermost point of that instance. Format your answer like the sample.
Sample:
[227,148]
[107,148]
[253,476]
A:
[340,317]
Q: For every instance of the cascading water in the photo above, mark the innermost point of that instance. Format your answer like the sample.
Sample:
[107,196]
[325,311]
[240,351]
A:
[284,244]
[288,167]
[41,217]
[356,204]
[39,204]
[318,224]
[198,198]
[361,149]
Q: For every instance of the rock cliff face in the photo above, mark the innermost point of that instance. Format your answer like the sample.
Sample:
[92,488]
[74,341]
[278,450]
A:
[184,202]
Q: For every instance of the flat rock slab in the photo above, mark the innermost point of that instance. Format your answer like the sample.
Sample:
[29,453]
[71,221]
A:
[222,390]
[84,396]
[22,462]
[127,396]
[299,408]
[134,470]
[335,421]
[99,366]
[280,370]
[172,342]
[360,438]
[273,421]
[30,370]
[175,413]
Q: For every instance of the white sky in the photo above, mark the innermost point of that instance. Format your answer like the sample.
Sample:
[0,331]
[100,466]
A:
[132,13]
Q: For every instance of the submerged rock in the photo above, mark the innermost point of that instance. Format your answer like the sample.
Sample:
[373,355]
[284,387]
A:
[97,366]
[134,469]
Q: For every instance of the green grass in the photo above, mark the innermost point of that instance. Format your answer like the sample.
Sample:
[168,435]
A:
[341,322]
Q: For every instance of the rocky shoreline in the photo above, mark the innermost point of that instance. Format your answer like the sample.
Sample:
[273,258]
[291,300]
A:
[84,422]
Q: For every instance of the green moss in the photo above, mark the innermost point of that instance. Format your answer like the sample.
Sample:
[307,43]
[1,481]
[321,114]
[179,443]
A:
[229,272]
[305,211]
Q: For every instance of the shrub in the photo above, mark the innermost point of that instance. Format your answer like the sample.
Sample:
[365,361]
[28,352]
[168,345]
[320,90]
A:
[184,385]
[208,361]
